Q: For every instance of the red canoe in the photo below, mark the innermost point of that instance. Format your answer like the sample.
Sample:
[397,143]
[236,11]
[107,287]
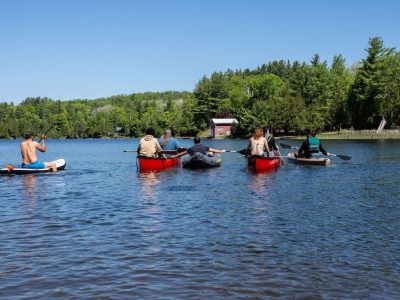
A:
[158,164]
[259,163]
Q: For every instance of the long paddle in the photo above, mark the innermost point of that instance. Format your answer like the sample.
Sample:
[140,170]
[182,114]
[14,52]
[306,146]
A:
[277,149]
[341,156]
[51,127]
[162,152]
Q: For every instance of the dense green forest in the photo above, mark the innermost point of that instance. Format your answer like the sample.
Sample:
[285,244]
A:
[281,95]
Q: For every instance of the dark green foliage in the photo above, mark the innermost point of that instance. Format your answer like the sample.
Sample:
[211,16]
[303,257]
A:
[282,95]
[370,84]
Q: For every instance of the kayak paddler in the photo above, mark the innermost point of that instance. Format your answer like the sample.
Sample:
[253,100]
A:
[311,145]
[28,152]
[198,147]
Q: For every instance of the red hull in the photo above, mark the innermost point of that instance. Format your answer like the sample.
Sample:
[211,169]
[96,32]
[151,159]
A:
[259,163]
[158,164]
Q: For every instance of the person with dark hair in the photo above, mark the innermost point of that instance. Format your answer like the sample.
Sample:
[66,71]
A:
[311,145]
[200,148]
[28,152]
[148,145]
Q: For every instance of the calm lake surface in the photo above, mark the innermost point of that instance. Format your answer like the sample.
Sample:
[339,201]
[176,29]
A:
[100,229]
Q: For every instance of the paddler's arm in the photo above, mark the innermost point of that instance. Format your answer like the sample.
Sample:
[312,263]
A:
[302,148]
[266,145]
[248,149]
[41,148]
[158,149]
[216,150]
[323,151]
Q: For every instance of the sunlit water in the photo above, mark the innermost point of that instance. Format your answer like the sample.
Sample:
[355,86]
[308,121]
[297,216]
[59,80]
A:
[100,229]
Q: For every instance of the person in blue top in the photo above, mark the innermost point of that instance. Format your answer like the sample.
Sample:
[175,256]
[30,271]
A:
[167,142]
[198,147]
[311,145]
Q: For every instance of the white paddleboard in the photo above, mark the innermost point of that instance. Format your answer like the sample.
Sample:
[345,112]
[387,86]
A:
[60,163]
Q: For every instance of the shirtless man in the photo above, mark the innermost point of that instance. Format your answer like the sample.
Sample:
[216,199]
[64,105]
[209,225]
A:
[28,152]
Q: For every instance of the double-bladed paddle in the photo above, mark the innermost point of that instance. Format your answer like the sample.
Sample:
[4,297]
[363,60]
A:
[341,156]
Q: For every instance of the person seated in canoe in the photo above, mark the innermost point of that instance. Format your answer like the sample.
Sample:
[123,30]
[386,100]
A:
[200,148]
[28,152]
[311,145]
[167,142]
[272,144]
[148,145]
[258,144]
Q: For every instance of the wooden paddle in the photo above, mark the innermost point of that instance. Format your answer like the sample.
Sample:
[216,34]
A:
[341,156]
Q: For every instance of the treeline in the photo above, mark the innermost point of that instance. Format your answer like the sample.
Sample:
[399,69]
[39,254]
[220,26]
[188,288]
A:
[295,96]
[281,95]
[125,115]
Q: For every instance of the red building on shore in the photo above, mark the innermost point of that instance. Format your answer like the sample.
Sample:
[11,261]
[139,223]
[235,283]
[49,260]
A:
[221,127]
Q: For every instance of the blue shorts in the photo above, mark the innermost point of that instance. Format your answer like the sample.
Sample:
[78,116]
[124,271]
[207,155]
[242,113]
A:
[36,165]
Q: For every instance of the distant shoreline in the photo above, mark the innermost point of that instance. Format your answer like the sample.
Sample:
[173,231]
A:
[353,135]
[343,135]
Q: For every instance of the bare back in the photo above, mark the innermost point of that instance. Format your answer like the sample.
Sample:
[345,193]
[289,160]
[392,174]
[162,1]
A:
[28,151]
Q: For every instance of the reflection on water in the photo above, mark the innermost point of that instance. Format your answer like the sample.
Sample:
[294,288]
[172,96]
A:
[30,190]
[148,184]
[103,230]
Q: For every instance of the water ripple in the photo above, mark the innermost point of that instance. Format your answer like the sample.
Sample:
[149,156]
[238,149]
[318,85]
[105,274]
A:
[110,232]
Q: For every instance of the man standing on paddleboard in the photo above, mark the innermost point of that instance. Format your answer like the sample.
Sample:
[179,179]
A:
[28,152]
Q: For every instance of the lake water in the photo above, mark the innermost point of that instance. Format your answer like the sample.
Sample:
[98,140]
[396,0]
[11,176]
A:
[100,229]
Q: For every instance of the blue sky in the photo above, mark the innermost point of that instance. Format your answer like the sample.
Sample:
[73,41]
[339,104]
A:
[89,49]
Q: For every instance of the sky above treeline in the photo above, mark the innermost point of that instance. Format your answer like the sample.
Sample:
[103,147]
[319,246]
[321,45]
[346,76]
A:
[70,49]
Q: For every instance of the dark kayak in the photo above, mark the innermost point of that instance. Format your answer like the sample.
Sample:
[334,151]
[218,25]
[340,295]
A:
[201,161]
[60,163]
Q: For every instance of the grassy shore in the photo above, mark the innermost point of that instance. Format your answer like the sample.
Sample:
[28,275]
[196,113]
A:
[356,135]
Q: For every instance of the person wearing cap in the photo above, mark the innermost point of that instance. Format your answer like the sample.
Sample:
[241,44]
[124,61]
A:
[167,142]
[28,152]
[311,145]
[148,145]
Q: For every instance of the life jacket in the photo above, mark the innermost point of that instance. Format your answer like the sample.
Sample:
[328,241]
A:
[313,143]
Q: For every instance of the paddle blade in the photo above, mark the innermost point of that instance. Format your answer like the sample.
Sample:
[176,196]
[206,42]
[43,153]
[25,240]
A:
[286,146]
[180,150]
[344,157]
[243,151]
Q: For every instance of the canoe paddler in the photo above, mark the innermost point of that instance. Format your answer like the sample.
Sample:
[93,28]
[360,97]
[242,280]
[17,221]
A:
[311,145]
[168,142]
[258,144]
[28,152]
[148,145]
